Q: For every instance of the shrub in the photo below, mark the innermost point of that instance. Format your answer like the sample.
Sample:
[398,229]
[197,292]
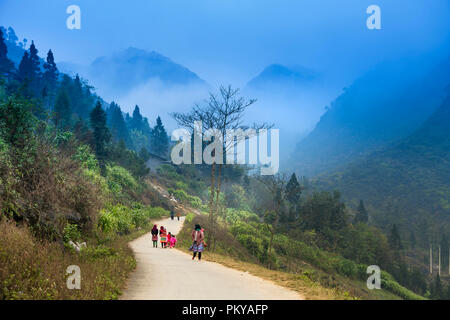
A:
[122,219]
[71,233]
[120,179]
[181,185]
[195,202]
[86,158]
[116,218]
[184,197]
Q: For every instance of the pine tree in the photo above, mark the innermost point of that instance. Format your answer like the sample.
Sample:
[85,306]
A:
[293,190]
[62,111]
[25,67]
[159,142]
[101,133]
[51,71]
[136,120]
[34,61]
[361,214]
[118,126]
[6,65]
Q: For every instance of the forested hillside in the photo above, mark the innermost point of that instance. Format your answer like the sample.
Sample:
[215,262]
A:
[70,178]
[408,183]
[382,107]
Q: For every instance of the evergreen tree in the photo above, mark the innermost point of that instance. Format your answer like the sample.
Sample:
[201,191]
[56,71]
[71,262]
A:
[293,190]
[324,211]
[159,142]
[34,62]
[118,126]
[6,65]
[62,111]
[361,214]
[137,120]
[101,133]
[51,71]
[25,67]
[293,193]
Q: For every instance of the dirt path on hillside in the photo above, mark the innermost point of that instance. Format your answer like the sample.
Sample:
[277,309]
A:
[169,274]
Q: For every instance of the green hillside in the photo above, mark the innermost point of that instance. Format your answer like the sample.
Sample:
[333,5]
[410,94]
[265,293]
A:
[407,183]
[382,107]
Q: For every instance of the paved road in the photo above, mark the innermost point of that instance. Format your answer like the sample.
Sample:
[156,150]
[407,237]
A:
[169,274]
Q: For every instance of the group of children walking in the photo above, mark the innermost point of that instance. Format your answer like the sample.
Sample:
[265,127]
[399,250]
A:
[167,240]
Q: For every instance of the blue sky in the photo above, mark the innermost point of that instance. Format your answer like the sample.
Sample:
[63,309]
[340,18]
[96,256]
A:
[233,40]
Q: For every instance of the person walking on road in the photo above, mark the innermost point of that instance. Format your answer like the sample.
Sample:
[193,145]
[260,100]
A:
[172,214]
[155,236]
[198,238]
[163,237]
[178,215]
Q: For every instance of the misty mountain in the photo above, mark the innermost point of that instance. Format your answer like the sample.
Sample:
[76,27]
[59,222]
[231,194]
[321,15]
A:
[384,106]
[408,182]
[288,90]
[280,76]
[131,68]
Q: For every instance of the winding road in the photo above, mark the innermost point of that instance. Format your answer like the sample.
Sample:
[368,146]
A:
[169,274]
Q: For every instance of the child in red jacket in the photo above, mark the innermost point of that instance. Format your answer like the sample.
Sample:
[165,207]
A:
[173,241]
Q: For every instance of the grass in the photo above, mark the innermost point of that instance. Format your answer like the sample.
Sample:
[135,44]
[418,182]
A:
[32,269]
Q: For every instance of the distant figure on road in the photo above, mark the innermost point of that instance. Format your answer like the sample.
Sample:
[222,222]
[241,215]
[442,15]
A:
[163,236]
[172,214]
[178,215]
[155,236]
[173,241]
[198,238]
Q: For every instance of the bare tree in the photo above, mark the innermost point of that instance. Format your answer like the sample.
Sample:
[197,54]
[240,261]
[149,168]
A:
[219,113]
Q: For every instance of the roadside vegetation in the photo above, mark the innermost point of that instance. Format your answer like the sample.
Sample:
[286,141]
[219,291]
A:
[71,191]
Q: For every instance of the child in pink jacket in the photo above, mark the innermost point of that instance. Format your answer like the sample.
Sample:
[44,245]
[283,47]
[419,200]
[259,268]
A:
[173,241]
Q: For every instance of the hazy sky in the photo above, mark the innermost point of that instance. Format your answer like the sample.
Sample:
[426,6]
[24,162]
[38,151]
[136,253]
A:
[233,40]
